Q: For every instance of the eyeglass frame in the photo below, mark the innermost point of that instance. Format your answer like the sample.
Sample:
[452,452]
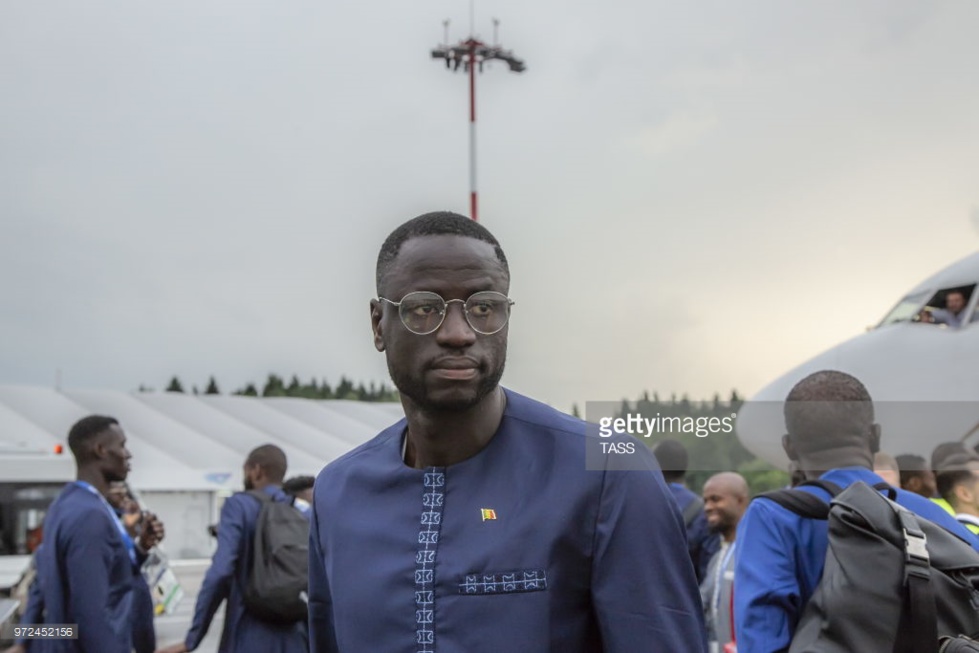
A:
[445,310]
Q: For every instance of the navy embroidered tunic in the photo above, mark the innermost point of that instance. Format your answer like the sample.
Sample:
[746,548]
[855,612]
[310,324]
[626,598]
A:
[518,548]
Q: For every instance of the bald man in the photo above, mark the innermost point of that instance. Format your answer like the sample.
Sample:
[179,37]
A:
[885,466]
[725,500]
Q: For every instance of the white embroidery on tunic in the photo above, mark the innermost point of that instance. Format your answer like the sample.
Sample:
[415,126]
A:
[433,500]
[530,580]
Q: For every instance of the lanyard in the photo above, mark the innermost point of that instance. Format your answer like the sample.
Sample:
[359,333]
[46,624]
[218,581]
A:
[126,539]
[718,577]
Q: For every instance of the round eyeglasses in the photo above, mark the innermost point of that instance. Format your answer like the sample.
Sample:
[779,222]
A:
[423,312]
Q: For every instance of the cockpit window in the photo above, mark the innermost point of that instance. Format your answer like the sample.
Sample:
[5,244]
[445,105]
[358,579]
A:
[906,310]
[948,306]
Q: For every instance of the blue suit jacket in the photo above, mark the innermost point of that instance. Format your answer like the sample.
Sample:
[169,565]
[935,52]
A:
[85,576]
[144,633]
[34,610]
[227,579]
[701,542]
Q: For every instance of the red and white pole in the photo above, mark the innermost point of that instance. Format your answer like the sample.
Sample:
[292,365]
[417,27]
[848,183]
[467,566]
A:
[472,130]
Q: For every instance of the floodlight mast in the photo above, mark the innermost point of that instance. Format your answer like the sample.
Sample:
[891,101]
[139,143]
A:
[469,54]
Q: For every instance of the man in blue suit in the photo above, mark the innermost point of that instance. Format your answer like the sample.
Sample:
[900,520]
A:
[701,542]
[33,612]
[228,576]
[126,508]
[87,565]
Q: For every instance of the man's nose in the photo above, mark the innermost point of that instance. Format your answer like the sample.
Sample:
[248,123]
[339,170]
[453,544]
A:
[455,330]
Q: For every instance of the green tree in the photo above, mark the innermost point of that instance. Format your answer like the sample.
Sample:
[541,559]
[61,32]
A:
[389,394]
[736,401]
[345,389]
[274,387]
[248,391]
[212,387]
[762,477]
[175,385]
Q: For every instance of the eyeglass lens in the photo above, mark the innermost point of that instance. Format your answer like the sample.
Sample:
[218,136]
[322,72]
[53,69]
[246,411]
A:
[423,312]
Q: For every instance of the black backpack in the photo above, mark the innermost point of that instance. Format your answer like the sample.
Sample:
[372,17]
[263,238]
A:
[893,582]
[279,569]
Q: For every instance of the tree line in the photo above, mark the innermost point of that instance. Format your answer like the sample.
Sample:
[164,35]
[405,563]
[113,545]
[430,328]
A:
[708,455]
[717,452]
[275,386]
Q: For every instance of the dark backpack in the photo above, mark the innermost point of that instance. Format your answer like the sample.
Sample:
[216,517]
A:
[892,582]
[279,568]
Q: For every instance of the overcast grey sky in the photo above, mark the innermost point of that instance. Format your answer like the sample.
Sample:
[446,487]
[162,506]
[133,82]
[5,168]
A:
[693,196]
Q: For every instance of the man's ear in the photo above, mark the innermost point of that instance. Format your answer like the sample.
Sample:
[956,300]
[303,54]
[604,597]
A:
[874,438]
[964,493]
[789,447]
[98,448]
[376,314]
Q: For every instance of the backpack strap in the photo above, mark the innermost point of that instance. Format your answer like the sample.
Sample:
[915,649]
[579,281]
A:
[260,495]
[809,505]
[917,578]
[888,488]
[692,510]
[829,487]
[804,504]
[801,503]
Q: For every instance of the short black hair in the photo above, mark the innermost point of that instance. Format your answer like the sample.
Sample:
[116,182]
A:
[944,451]
[910,466]
[673,459]
[438,223]
[827,410]
[271,459]
[84,432]
[297,484]
[955,471]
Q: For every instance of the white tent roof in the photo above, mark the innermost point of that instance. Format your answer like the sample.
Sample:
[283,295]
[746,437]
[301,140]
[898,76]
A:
[180,441]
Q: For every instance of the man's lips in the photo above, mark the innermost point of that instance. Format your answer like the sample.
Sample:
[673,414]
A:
[456,368]
[455,364]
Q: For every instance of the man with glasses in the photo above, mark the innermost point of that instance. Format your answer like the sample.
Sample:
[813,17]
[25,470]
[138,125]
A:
[473,524]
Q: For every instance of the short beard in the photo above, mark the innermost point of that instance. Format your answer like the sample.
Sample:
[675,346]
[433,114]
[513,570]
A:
[414,388]
[112,477]
[720,528]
